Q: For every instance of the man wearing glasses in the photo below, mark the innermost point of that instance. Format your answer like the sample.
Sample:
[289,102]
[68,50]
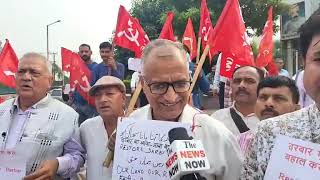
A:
[166,82]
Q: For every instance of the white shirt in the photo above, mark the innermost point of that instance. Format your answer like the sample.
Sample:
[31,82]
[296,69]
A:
[284,72]
[18,124]
[224,116]
[217,78]
[304,99]
[134,80]
[221,147]
[16,128]
[21,133]
[94,139]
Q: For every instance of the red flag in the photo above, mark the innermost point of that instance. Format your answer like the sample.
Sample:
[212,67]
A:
[272,69]
[205,28]
[229,34]
[229,62]
[8,65]
[1,99]
[80,76]
[189,39]
[266,44]
[66,58]
[167,30]
[129,33]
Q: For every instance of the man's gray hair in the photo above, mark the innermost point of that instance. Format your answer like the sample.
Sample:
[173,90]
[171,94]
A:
[38,57]
[162,43]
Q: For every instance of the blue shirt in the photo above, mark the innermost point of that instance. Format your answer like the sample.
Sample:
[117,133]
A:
[78,99]
[101,70]
[284,72]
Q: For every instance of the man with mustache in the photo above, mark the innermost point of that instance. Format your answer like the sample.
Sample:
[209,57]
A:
[108,66]
[110,97]
[166,82]
[240,117]
[38,127]
[303,124]
[276,96]
[82,107]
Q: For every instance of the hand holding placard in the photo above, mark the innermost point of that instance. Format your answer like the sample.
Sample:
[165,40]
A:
[12,165]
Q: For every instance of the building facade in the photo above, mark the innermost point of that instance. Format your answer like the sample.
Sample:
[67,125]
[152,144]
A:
[299,11]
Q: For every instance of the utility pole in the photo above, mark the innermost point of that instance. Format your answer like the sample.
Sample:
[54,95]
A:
[54,66]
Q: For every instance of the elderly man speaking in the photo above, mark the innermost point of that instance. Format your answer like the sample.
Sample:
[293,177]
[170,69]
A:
[166,81]
[41,129]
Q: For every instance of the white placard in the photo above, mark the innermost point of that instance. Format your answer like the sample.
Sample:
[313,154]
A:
[134,64]
[12,165]
[141,149]
[293,159]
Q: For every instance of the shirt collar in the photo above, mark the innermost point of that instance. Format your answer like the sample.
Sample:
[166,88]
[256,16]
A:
[238,112]
[186,116]
[35,106]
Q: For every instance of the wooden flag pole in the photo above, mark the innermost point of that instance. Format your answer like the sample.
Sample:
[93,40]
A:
[134,99]
[199,68]
[198,49]
[132,102]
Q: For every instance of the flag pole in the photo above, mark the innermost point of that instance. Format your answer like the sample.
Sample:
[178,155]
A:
[198,49]
[199,68]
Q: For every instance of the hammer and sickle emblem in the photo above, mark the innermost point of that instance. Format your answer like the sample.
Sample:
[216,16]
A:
[132,36]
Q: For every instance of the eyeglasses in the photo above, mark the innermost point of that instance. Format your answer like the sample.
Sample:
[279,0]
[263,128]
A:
[161,88]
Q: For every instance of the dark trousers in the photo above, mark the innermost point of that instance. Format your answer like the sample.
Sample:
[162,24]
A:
[221,95]
[143,99]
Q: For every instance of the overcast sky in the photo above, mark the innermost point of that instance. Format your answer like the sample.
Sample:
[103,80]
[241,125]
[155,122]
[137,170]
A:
[24,22]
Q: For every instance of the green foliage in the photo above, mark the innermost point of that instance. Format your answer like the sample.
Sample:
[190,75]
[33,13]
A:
[57,71]
[6,90]
[278,49]
[152,14]
[149,13]
[255,48]
[127,84]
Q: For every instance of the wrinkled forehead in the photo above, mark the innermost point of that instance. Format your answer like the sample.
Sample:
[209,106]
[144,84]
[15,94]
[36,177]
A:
[274,91]
[164,55]
[108,89]
[166,52]
[32,63]
[246,72]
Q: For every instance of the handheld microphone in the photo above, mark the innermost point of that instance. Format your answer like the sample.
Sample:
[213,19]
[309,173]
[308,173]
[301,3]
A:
[187,157]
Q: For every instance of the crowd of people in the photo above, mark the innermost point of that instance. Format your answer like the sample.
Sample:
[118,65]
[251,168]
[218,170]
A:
[57,139]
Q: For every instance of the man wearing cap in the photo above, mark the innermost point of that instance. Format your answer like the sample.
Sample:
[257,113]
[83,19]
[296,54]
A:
[166,82]
[110,97]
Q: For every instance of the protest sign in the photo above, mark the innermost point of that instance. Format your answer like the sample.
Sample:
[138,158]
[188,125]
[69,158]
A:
[293,159]
[12,166]
[141,149]
[134,64]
